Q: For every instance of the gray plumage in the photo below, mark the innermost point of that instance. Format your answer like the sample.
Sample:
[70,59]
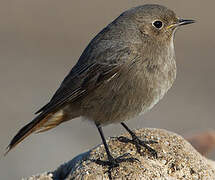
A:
[123,72]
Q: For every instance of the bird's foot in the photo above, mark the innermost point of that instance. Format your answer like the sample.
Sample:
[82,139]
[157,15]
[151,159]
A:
[138,143]
[114,162]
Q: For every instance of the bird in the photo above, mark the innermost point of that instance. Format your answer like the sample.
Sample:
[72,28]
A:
[124,71]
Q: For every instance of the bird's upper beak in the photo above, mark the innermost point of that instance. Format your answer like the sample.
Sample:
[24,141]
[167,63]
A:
[181,22]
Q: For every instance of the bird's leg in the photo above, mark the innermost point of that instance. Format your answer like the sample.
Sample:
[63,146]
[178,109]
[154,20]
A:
[137,142]
[111,162]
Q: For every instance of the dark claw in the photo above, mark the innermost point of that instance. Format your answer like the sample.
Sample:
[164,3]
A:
[114,162]
[151,142]
[152,151]
[138,143]
[124,139]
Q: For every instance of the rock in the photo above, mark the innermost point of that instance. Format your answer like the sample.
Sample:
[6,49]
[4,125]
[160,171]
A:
[43,176]
[177,159]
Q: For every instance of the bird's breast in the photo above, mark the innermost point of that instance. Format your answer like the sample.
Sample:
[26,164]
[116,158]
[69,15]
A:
[135,90]
[160,76]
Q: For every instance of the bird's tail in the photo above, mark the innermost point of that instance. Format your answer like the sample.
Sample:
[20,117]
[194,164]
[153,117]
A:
[41,123]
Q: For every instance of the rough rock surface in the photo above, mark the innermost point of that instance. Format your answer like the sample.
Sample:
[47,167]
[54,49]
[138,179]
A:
[177,160]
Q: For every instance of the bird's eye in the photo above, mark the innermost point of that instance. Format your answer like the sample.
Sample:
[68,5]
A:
[157,24]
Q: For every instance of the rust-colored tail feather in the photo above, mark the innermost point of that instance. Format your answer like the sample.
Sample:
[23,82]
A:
[27,130]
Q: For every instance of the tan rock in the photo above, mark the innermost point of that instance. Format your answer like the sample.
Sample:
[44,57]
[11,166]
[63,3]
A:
[177,160]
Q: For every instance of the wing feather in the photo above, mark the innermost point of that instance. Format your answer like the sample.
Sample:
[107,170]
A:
[95,76]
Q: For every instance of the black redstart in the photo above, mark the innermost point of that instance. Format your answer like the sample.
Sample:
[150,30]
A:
[123,72]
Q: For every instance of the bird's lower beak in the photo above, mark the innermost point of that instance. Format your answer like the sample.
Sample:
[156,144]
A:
[182,22]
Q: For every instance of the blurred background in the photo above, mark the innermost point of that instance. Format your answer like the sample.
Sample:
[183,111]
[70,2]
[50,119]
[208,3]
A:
[40,41]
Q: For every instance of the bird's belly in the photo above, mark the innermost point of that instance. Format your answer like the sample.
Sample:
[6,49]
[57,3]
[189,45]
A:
[154,96]
[109,105]
[157,91]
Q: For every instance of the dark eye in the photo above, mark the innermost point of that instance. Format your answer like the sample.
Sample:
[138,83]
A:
[157,24]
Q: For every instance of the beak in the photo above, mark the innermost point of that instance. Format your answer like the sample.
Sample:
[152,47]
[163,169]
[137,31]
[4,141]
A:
[182,22]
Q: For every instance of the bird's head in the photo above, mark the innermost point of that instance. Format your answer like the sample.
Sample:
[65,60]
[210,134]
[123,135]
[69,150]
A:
[156,21]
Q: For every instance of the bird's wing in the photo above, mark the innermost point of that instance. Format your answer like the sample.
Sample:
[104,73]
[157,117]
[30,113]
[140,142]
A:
[101,60]
[88,79]
[78,85]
